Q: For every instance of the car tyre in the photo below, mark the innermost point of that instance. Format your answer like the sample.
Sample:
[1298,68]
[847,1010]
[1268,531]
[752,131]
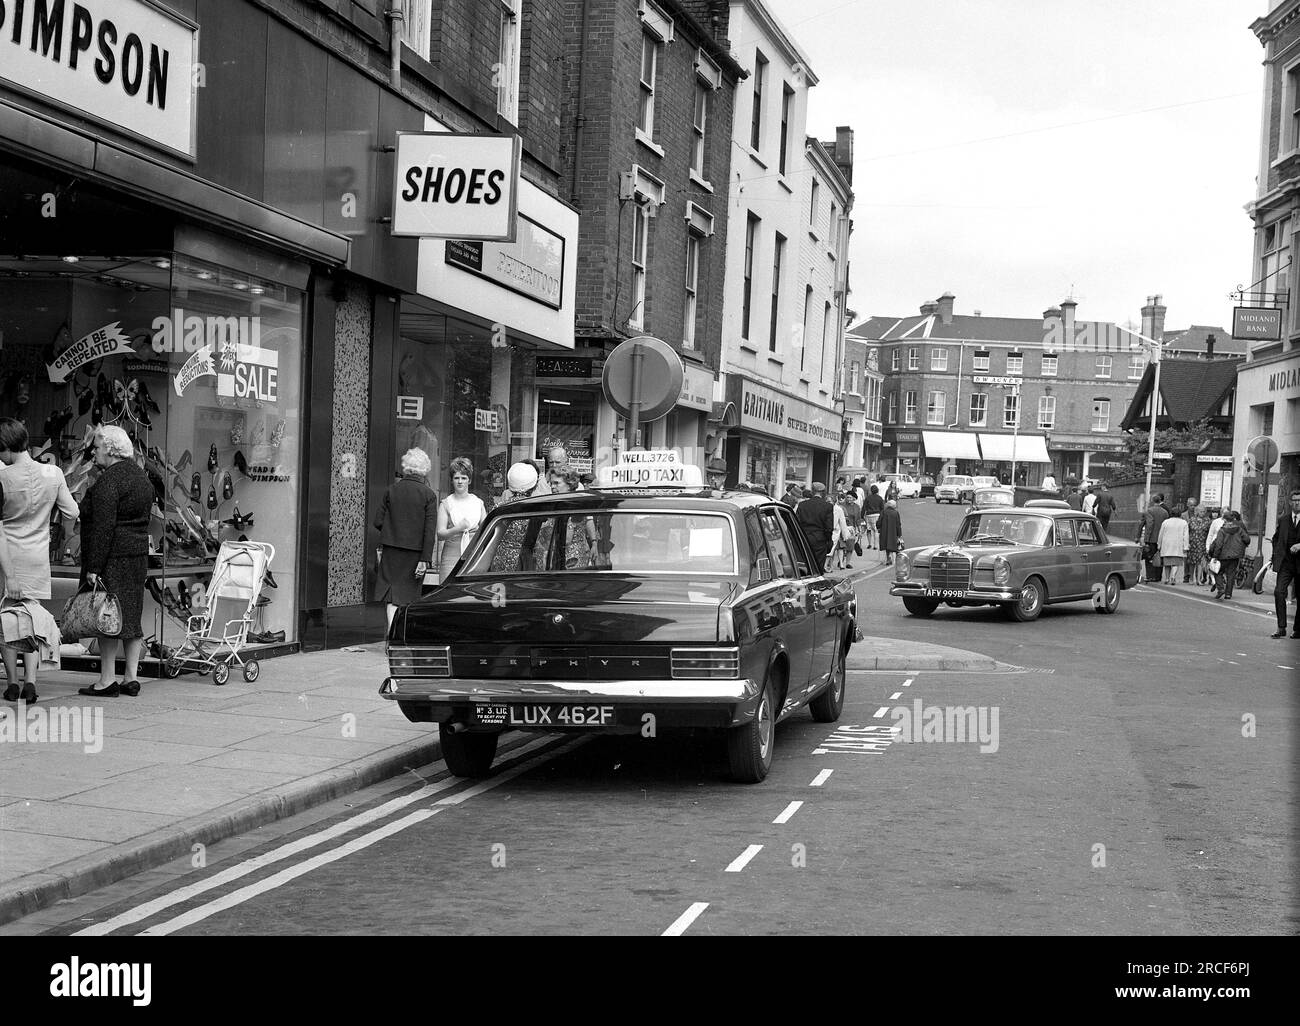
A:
[467,754]
[827,706]
[1033,594]
[749,748]
[920,606]
[1107,601]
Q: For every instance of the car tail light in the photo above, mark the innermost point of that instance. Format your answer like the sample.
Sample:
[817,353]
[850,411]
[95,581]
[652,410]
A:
[902,567]
[726,624]
[419,660]
[705,662]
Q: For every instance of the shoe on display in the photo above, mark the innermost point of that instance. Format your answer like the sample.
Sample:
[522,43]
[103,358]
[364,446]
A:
[270,580]
[141,416]
[227,486]
[278,433]
[237,432]
[182,596]
[57,421]
[240,463]
[239,521]
[212,496]
[212,459]
[97,414]
[185,460]
[147,400]
[85,400]
[196,487]
[259,434]
[23,391]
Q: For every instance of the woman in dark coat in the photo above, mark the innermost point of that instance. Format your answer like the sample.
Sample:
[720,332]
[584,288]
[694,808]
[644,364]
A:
[115,552]
[408,529]
[891,530]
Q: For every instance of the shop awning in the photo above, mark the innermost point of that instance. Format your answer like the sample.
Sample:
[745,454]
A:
[1028,448]
[950,445]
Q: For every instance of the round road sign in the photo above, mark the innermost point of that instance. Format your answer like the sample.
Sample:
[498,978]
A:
[661,377]
[1263,452]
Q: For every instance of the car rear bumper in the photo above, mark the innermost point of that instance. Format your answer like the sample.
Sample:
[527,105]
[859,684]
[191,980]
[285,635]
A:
[911,589]
[678,703]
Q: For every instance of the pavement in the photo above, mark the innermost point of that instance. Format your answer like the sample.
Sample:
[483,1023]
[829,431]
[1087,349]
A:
[131,783]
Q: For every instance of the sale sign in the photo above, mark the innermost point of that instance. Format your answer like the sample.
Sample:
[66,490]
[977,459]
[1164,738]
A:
[249,372]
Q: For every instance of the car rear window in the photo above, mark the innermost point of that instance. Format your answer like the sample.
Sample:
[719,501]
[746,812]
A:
[618,541]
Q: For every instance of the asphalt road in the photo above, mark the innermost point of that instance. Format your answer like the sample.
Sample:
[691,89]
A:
[1135,778]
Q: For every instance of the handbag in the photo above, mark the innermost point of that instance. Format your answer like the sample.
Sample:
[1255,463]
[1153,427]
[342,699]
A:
[857,548]
[1215,566]
[93,613]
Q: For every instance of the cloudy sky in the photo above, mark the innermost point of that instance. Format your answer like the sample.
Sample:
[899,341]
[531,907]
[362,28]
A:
[1017,151]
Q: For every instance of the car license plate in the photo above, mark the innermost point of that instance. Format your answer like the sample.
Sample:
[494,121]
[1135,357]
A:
[944,593]
[560,716]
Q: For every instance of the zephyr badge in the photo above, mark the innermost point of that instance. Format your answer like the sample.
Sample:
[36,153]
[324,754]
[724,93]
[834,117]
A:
[557,619]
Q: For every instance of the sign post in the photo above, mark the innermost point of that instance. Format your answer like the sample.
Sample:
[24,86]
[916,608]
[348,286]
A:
[1157,348]
[1263,453]
[642,380]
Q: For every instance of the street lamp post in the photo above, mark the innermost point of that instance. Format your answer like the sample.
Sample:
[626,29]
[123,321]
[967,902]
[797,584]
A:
[1015,432]
[1157,348]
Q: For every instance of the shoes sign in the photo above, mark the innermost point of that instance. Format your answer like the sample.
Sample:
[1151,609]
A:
[102,342]
[456,185]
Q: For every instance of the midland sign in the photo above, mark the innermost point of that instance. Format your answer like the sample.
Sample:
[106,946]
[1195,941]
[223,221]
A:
[127,63]
[454,185]
[1256,322]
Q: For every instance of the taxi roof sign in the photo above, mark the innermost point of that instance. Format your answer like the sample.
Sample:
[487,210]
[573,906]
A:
[652,468]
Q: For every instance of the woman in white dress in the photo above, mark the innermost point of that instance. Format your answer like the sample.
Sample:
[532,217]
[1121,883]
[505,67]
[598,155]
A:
[459,516]
[31,491]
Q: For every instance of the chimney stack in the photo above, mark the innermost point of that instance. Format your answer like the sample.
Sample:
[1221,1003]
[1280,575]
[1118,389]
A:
[945,307]
[1067,314]
[930,308]
[1153,319]
[844,151]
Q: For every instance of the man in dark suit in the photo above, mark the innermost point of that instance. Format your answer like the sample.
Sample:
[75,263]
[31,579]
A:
[817,518]
[1286,563]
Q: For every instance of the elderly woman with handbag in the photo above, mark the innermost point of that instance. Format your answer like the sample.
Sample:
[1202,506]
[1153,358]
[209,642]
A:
[406,523]
[115,553]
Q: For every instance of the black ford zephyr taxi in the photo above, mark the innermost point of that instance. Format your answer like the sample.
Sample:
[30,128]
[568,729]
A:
[626,611]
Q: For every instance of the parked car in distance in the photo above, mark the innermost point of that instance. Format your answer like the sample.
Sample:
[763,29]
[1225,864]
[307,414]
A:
[987,482]
[993,498]
[927,486]
[908,486]
[609,609]
[955,488]
[1020,559]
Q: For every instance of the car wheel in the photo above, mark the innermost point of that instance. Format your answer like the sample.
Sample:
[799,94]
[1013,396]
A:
[920,606]
[467,754]
[1032,596]
[1107,599]
[749,748]
[827,706]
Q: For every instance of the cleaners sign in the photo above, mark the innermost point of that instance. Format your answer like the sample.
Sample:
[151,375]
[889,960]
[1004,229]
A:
[127,63]
[453,185]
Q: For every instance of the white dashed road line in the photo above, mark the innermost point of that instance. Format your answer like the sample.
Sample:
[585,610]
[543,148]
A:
[821,777]
[790,810]
[683,922]
[742,860]
[895,696]
[881,711]
[908,683]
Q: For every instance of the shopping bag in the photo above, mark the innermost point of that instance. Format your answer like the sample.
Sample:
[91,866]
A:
[93,613]
[857,548]
[1265,580]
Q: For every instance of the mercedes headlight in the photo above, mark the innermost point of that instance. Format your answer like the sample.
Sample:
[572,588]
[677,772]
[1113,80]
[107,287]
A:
[1001,571]
[902,567]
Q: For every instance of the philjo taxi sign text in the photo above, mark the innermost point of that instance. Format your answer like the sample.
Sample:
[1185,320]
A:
[454,185]
[654,468]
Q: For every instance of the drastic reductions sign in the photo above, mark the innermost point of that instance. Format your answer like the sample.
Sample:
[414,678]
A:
[1256,322]
[127,63]
[453,185]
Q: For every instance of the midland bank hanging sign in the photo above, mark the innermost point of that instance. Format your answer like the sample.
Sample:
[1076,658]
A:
[127,63]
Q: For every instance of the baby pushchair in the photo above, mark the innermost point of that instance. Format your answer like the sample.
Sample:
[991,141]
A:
[216,633]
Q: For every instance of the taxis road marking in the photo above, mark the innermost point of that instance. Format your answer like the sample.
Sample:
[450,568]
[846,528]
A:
[683,922]
[742,860]
[790,810]
[821,778]
[242,869]
[908,683]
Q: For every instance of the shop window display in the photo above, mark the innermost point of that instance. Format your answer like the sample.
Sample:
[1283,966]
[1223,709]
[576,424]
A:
[201,366]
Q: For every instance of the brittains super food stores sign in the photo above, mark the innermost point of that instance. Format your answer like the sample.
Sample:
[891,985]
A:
[453,185]
[127,63]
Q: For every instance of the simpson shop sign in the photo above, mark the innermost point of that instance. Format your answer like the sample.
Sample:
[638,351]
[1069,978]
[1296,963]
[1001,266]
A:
[127,63]
[454,185]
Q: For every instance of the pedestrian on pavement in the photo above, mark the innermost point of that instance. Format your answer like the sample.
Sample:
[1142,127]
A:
[871,510]
[891,531]
[115,552]
[860,491]
[1049,482]
[817,518]
[407,524]
[1090,500]
[1228,548]
[1172,542]
[1075,498]
[461,512]
[29,492]
[1105,507]
[1198,528]
[891,492]
[1149,535]
[1190,508]
[849,524]
[1286,563]
[792,495]
[1217,520]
